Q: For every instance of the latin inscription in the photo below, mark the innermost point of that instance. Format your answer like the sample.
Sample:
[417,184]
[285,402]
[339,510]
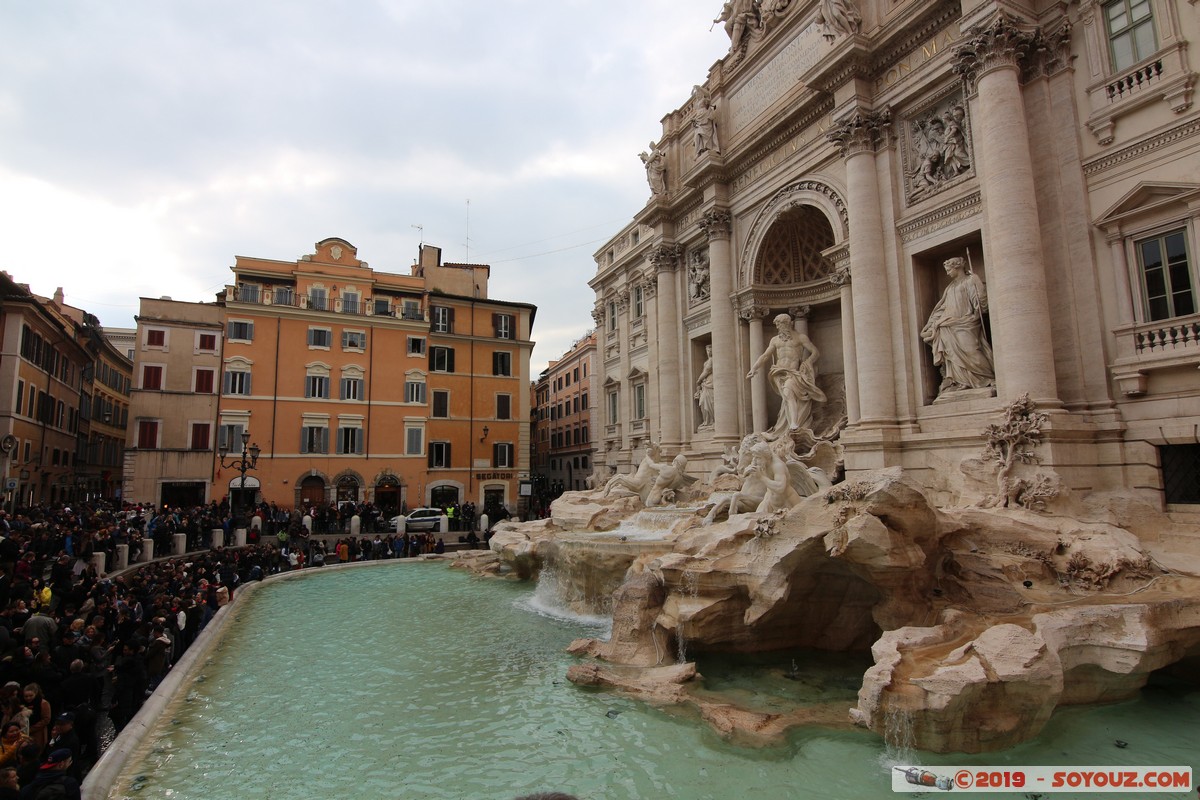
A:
[777,78]
[900,70]
[779,154]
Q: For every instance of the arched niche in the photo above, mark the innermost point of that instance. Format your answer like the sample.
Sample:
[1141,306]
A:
[806,216]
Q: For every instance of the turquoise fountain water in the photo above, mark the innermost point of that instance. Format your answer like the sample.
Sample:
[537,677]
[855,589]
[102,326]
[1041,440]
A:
[414,681]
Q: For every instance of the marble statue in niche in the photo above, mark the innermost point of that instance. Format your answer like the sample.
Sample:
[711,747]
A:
[698,288]
[956,334]
[705,395]
[791,359]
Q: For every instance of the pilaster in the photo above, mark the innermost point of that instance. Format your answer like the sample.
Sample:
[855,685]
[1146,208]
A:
[716,225]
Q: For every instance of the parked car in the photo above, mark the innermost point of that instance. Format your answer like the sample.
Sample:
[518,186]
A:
[419,519]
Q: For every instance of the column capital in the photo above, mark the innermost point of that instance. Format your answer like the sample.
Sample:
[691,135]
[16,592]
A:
[997,44]
[840,276]
[861,131]
[598,314]
[800,312]
[753,312]
[665,257]
[716,224]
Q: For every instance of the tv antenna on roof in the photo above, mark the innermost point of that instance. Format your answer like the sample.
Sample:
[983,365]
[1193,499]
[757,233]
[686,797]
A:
[468,241]
[420,233]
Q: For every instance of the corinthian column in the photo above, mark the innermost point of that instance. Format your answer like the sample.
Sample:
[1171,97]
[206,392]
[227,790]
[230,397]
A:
[856,137]
[1020,311]
[716,225]
[849,354]
[665,261]
[758,384]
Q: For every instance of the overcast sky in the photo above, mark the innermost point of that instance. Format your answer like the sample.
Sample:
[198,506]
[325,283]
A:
[144,144]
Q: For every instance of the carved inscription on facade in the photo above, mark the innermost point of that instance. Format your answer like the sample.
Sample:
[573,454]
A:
[777,78]
[901,69]
[783,152]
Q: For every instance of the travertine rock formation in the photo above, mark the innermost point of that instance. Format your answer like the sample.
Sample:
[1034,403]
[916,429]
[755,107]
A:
[981,621]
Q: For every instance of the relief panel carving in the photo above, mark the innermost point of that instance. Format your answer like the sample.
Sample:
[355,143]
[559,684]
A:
[937,149]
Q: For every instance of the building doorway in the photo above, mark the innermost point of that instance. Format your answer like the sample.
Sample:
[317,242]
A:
[182,494]
[388,498]
[347,490]
[443,496]
[312,491]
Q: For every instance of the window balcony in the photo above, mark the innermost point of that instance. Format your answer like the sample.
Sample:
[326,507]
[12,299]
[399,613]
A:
[1164,77]
[1146,346]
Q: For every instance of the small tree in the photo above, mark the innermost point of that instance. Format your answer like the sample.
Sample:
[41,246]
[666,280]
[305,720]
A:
[1010,442]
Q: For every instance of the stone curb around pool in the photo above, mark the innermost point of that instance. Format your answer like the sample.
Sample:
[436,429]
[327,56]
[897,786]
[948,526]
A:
[100,781]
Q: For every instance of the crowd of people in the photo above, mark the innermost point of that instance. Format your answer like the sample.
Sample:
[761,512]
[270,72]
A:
[81,650]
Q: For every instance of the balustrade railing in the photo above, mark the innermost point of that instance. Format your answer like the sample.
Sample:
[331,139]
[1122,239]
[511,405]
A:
[1167,335]
[1134,80]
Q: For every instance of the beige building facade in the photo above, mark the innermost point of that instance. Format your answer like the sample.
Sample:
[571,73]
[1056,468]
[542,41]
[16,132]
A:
[956,204]
[171,447]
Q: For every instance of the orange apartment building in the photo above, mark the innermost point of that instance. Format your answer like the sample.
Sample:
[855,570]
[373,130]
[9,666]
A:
[41,369]
[365,386]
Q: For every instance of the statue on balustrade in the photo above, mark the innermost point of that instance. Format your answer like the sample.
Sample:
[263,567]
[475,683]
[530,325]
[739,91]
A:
[656,169]
[741,19]
[956,334]
[839,16]
[704,123]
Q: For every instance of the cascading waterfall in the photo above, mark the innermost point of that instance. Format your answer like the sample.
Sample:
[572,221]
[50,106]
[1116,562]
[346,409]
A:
[551,598]
[680,645]
[898,737]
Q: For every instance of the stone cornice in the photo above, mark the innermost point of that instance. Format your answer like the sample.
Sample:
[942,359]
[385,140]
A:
[937,19]
[850,58]
[1138,149]
[810,294]
[813,113]
[858,66]
[951,212]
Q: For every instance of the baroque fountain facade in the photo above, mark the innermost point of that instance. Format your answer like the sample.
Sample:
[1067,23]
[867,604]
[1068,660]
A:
[969,443]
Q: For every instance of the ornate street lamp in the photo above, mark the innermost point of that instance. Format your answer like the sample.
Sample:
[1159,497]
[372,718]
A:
[247,462]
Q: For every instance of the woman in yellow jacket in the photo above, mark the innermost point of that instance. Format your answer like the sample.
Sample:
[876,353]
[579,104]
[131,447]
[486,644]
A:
[12,739]
[41,595]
